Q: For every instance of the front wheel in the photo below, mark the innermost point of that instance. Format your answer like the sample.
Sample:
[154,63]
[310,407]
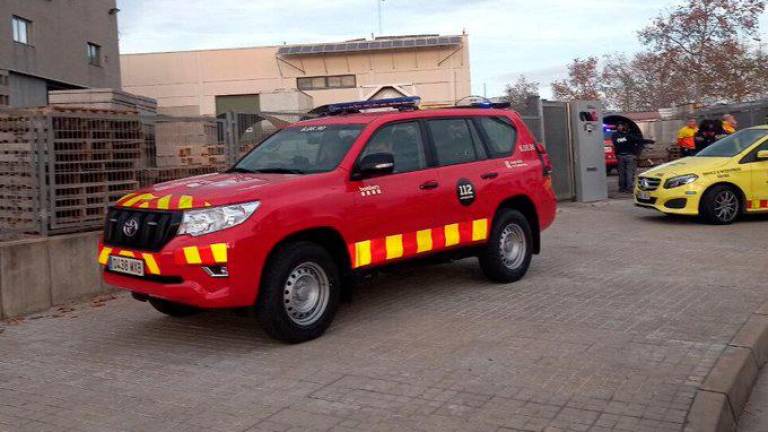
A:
[507,255]
[720,205]
[299,293]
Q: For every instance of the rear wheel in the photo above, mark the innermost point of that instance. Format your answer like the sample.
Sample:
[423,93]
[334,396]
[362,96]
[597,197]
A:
[507,255]
[176,310]
[720,205]
[299,292]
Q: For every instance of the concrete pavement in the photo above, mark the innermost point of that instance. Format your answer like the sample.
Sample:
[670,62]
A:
[614,328]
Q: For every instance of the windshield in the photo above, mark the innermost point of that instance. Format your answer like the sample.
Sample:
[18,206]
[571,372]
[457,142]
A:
[734,144]
[300,150]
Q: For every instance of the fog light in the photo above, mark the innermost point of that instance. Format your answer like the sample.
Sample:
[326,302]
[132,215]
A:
[216,271]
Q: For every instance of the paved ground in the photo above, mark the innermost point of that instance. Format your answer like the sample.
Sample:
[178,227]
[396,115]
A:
[613,329]
[755,416]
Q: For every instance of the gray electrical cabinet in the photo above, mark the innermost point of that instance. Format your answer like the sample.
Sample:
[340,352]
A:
[589,151]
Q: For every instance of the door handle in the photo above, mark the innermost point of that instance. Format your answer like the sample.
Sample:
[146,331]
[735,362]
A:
[489,176]
[429,185]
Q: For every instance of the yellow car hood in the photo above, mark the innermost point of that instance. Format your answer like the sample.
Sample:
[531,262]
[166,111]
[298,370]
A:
[688,165]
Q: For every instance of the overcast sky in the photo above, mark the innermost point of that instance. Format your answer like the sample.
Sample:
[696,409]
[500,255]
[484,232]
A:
[507,37]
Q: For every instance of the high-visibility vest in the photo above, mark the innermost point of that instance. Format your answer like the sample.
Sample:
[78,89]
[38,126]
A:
[685,137]
[728,128]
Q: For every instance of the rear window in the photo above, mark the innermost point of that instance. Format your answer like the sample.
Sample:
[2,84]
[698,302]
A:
[501,135]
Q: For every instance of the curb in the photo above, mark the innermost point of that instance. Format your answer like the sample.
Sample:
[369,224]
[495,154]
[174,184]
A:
[720,400]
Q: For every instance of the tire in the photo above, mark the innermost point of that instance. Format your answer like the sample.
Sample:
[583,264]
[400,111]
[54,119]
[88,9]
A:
[720,205]
[176,310]
[299,293]
[505,263]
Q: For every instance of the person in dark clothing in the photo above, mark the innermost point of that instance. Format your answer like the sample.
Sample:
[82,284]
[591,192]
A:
[709,132]
[628,147]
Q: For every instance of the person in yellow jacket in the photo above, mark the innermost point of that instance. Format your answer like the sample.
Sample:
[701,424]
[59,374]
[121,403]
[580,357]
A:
[729,124]
[685,138]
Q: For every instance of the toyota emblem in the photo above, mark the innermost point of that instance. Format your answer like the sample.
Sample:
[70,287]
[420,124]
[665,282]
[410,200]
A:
[131,227]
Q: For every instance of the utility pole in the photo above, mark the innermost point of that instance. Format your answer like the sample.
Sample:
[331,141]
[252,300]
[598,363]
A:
[378,3]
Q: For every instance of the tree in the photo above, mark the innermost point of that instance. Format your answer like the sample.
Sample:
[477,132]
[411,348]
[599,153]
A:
[582,82]
[520,91]
[709,41]
[646,82]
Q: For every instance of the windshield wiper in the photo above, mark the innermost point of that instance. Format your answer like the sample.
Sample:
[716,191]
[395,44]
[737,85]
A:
[279,171]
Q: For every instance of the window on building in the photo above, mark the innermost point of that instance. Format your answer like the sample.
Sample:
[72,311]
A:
[4,100]
[21,30]
[326,82]
[94,54]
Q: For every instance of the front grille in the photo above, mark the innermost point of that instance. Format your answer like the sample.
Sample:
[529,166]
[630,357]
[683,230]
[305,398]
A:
[648,183]
[155,228]
[650,201]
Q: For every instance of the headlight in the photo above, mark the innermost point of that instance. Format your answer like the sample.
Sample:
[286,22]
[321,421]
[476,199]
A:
[206,221]
[680,181]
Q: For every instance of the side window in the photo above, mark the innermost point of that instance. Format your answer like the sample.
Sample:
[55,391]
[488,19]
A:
[403,141]
[453,141]
[501,135]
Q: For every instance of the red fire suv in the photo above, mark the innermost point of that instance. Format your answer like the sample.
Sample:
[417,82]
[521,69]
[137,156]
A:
[326,198]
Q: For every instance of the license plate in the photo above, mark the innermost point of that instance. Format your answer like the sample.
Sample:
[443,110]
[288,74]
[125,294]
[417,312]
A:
[645,196]
[126,265]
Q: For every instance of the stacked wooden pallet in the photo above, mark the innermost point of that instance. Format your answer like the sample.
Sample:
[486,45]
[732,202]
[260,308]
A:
[89,158]
[188,142]
[19,181]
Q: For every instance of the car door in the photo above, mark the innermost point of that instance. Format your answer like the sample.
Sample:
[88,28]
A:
[464,179]
[393,212]
[758,194]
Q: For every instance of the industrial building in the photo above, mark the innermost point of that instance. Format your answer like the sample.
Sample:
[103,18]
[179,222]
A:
[56,45]
[210,82]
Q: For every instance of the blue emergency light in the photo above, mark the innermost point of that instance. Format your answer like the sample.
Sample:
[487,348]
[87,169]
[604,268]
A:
[410,103]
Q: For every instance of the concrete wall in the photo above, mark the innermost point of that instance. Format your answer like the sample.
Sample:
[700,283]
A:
[440,75]
[60,32]
[38,273]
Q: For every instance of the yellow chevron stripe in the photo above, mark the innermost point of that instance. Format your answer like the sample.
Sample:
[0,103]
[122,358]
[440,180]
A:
[151,263]
[394,245]
[219,252]
[192,254]
[185,202]
[424,240]
[104,255]
[451,235]
[362,253]
[479,229]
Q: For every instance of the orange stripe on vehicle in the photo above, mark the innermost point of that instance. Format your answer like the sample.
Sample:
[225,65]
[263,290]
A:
[127,253]
[151,263]
[137,199]
[192,255]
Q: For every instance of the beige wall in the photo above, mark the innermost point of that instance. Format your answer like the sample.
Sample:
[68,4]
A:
[439,75]
[60,31]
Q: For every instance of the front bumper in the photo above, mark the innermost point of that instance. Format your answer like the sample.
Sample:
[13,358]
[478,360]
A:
[683,200]
[178,272]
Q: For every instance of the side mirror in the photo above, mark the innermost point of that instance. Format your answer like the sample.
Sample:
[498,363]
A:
[375,164]
[762,155]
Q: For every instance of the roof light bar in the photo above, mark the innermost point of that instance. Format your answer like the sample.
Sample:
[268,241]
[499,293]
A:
[402,103]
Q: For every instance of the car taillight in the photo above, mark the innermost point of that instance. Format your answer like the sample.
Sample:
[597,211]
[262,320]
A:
[544,157]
